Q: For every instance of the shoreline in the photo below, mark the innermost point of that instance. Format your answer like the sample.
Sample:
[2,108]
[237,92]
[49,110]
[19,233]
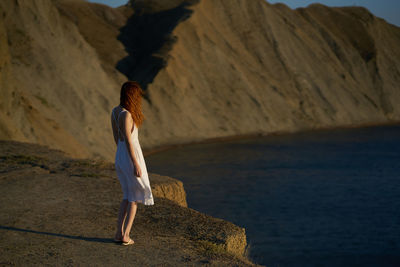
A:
[222,139]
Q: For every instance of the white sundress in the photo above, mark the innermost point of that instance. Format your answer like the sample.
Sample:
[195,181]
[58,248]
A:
[134,188]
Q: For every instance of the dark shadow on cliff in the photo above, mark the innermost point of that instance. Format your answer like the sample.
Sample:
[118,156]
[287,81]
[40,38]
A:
[148,38]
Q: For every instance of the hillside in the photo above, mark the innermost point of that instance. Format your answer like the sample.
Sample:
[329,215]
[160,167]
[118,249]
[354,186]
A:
[209,69]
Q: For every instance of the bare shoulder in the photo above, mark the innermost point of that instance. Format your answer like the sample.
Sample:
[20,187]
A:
[125,115]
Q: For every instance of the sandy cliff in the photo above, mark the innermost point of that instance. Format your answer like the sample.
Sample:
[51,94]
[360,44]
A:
[209,68]
[247,66]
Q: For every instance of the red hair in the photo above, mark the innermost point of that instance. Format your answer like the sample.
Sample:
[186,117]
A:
[131,100]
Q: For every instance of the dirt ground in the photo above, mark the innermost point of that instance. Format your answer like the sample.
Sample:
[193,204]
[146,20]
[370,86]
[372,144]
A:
[60,211]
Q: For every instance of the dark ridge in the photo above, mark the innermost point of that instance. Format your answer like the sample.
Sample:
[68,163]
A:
[148,38]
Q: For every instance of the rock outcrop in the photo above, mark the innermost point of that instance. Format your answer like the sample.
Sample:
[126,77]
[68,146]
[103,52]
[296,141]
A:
[210,69]
[169,188]
[62,211]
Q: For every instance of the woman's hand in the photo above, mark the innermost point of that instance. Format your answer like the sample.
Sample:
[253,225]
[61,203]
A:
[138,171]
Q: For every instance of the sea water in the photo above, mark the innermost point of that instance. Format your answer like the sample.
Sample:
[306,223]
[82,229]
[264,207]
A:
[324,198]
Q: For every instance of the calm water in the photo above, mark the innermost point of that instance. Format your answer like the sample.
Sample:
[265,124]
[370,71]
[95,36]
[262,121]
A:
[313,199]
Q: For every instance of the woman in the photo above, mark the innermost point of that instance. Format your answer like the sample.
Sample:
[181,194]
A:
[129,161]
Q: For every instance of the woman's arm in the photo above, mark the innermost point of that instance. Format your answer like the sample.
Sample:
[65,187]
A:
[114,128]
[127,127]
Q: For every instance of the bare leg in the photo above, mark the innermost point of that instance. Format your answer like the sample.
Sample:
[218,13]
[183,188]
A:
[130,216]
[121,219]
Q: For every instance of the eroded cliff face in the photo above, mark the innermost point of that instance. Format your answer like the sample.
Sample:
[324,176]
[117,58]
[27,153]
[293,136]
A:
[209,69]
[60,94]
[247,66]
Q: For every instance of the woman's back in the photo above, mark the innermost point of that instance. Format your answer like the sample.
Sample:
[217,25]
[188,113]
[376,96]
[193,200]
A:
[119,120]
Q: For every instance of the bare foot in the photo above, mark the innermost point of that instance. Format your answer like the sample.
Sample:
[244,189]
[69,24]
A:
[118,237]
[130,242]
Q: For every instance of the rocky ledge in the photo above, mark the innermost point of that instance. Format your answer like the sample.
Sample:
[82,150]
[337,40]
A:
[61,211]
